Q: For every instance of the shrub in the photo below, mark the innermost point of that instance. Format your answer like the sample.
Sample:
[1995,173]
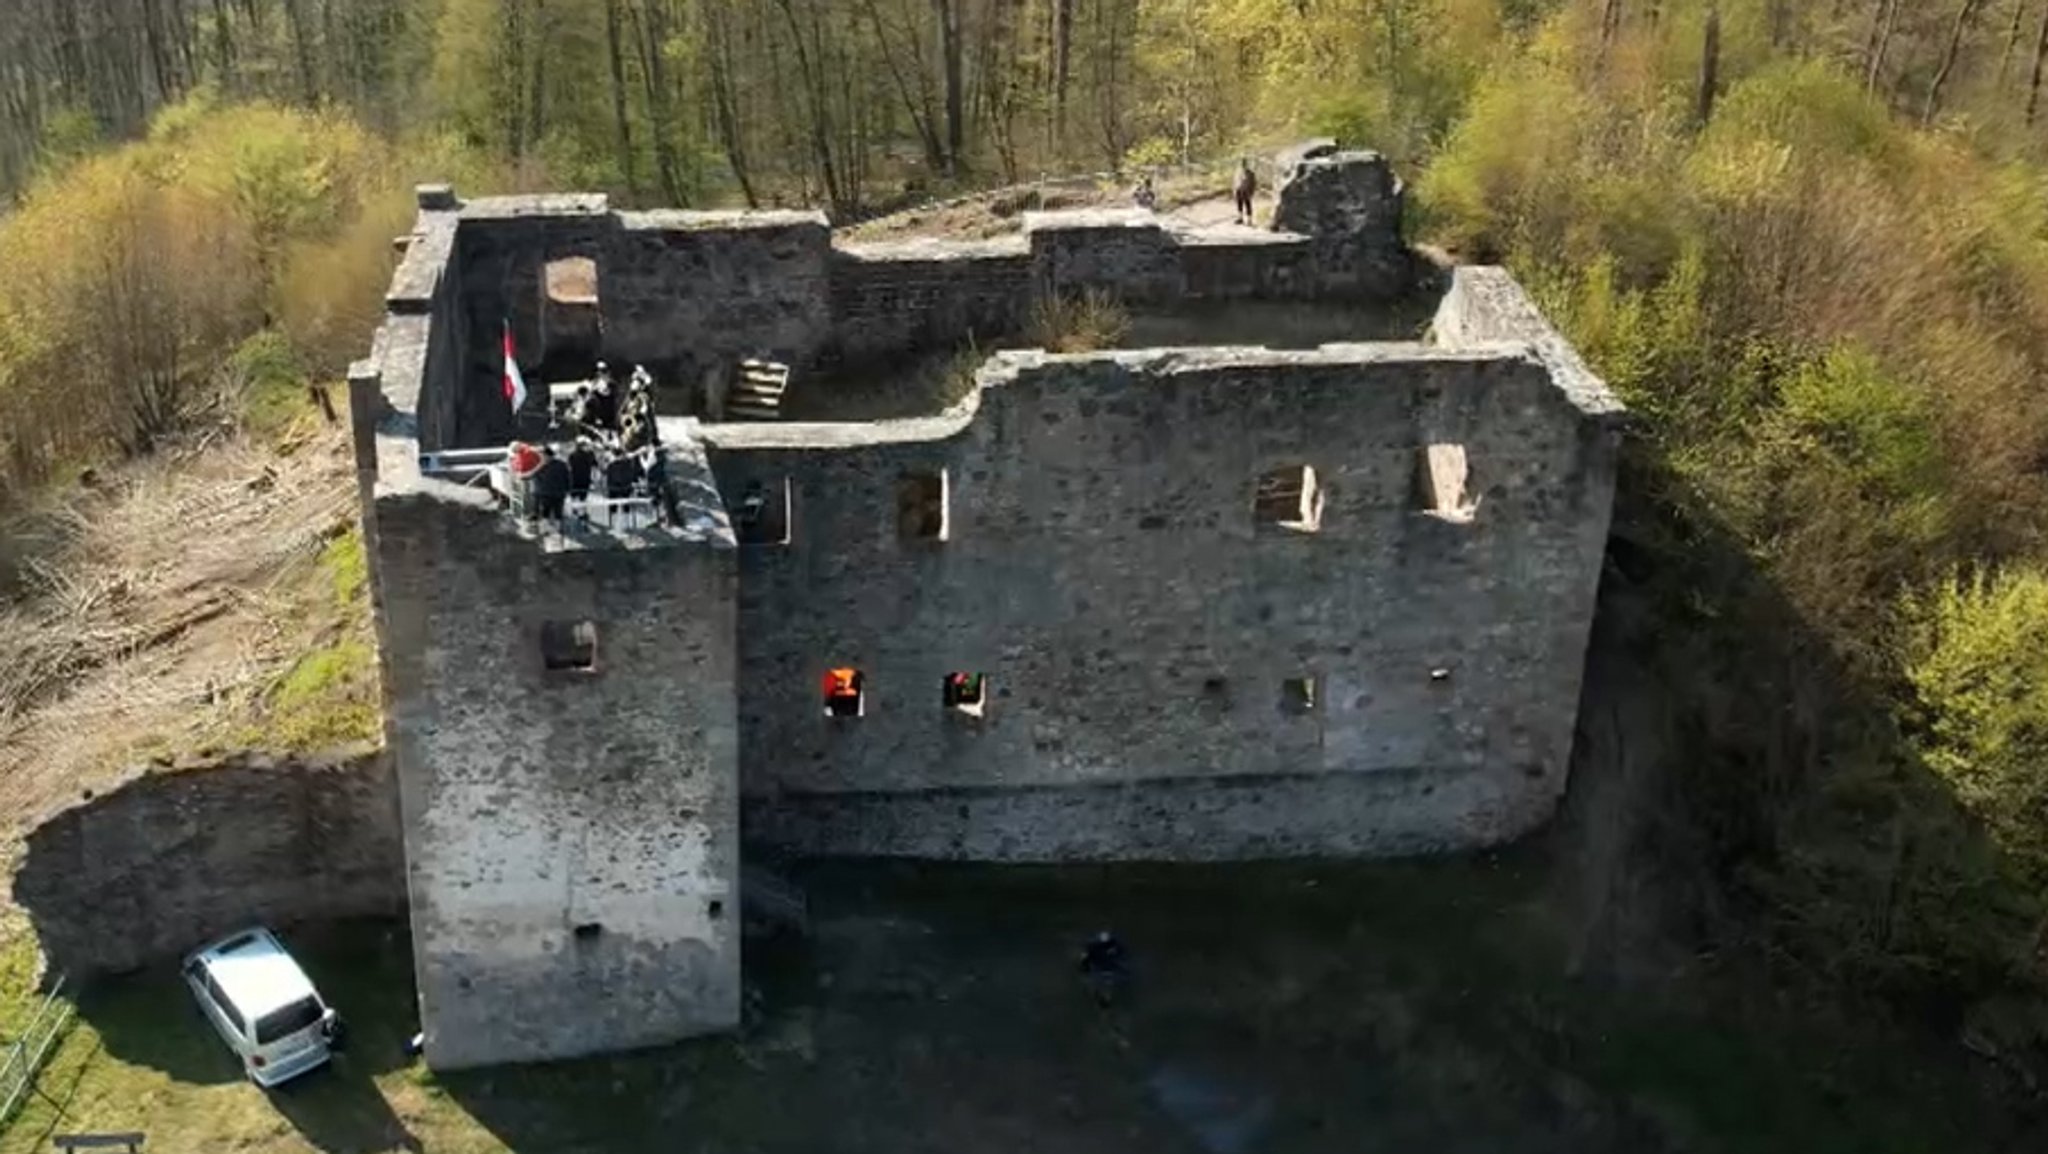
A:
[1086,323]
[1979,670]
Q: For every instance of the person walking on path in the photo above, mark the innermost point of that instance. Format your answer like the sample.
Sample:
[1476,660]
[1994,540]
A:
[1243,189]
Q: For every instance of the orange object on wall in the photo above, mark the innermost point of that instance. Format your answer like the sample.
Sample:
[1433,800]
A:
[842,682]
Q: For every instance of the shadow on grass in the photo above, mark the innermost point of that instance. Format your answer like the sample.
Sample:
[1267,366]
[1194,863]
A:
[363,969]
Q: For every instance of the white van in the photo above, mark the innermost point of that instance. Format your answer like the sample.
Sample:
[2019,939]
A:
[263,1005]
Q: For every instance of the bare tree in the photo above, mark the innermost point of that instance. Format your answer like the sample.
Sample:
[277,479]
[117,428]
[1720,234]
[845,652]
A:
[1964,13]
[1710,67]
[2040,60]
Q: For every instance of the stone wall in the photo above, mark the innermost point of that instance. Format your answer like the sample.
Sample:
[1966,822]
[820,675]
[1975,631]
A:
[1103,568]
[571,835]
[1126,253]
[688,294]
[172,859]
[887,299]
[1349,204]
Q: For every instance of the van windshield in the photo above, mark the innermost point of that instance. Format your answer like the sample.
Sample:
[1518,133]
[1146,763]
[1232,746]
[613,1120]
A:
[283,1023]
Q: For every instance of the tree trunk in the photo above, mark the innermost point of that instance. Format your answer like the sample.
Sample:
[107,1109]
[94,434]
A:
[2012,41]
[223,48]
[620,122]
[1880,41]
[304,49]
[915,103]
[948,13]
[725,100]
[1710,67]
[654,33]
[2040,59]
[536,102]
[1062,62]
[1964,14]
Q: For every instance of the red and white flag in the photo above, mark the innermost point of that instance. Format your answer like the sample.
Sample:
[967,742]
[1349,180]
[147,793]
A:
[515,384]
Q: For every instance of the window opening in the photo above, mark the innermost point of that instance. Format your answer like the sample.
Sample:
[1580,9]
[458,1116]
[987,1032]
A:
[761,516]
[1443,481]
[1215,700]
[966,693]
[921,506]
[716,909]
[1289,498]
[1298,696]
[588,931]
[845,693]
[570,646]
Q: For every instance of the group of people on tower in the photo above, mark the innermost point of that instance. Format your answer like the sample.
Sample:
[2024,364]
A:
[596,410]
[616,455]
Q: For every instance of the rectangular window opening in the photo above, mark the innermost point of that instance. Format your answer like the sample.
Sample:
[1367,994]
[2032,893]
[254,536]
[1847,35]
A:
[1289,498]
[1299,695]
[567,646]
[761,515]
[966,693]
[1443,483]
[921,506]
[845,693]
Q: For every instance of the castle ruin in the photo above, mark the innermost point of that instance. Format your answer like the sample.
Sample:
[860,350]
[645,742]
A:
[1227,601]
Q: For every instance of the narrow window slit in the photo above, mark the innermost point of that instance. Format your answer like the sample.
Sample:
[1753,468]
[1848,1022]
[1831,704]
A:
[1288,498]
[1298,696]
[922,501]
[761,515]
[569,646]
[1443,483]
[966,694]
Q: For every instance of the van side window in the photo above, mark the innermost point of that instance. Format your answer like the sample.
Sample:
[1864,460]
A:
[227,1008]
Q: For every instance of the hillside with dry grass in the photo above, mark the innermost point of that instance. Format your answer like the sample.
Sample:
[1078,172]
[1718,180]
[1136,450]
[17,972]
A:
[208,597]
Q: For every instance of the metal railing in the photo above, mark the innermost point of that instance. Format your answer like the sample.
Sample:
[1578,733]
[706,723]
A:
[26,1054]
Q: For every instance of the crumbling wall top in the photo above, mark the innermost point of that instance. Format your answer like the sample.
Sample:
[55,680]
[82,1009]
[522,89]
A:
[724,220]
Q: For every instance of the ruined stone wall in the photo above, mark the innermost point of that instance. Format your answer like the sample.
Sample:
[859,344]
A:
[172,859]
[1103,568]
[1349,205]
[689,294]
[501,250]
[1126,253]
[888,299]
[571,836]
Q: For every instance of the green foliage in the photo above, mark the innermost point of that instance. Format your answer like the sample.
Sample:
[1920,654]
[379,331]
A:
[1979,668]
[328,698]
[270,386]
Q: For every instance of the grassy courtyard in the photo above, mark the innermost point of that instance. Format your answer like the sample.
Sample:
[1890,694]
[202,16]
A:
[1340,1008]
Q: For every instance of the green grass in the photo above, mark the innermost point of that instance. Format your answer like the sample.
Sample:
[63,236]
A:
[1372,1008]
[328,697]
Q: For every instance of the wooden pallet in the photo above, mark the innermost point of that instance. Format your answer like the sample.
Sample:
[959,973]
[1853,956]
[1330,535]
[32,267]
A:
[757,396]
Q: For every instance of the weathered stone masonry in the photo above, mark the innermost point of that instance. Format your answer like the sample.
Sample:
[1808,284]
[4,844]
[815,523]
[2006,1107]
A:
[1171,677]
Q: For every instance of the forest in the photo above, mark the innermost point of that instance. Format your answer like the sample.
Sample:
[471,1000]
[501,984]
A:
[1806,240]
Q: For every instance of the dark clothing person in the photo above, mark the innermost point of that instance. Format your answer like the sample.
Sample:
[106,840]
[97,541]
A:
[1105,965]
[551,486]
[602,411]
[1242,191]
[621,473]
[658,486]
[582,468]
[1103,954]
